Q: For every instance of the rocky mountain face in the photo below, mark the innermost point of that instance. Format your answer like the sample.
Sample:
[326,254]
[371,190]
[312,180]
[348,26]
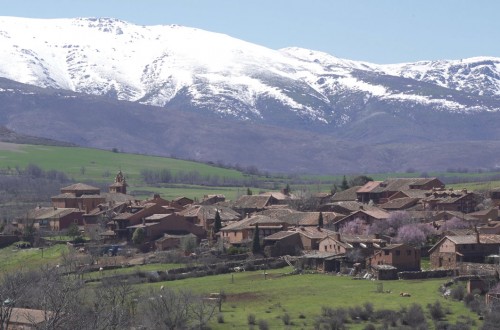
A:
[240,102]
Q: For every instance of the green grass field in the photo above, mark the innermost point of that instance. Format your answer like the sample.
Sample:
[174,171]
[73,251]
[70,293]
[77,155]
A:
[94,164]
[12,259]
[270,297]
[85,164]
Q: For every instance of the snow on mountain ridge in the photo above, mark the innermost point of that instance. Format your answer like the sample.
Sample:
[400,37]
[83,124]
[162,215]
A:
[155,64]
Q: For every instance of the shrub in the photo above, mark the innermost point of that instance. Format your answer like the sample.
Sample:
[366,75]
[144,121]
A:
[286,319]
[220,318]
[458,292]
[369,327]
[368,309]
[414,317]
[79,240]
[263,325]
[468,298]
[332,318]
[251,319]
[387,316]
[436,310]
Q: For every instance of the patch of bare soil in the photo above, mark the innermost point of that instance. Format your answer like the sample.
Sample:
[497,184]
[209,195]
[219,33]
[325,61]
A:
[243,296]
[10,147]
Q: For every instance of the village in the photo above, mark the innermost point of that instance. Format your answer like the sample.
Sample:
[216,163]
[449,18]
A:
[360,229]
[381,230]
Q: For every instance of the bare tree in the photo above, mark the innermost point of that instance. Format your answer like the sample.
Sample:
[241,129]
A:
[111,306]
[202,310]
[59,298]
[12,291]
[166,309]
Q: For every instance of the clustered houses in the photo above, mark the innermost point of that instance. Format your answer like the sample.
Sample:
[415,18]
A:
[324,243]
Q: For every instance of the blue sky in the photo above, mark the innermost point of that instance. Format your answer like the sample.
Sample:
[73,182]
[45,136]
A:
[378,31]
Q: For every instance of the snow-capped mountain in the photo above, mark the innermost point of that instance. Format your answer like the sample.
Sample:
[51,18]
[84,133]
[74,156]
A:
[174,90]
[204,71]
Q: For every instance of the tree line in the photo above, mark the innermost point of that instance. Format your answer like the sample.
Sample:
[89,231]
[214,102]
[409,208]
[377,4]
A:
[65,302]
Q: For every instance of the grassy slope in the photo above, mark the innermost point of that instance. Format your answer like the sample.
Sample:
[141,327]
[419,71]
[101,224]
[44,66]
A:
[101,165]
[14,259]
[271,298]
[85,164]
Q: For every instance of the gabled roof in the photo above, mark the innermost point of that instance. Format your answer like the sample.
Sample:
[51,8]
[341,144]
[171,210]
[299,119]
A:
[349,206]
[51,212]
[399,184]
[345,245]
[278,195]
[313,232]
[346,195]
[472,239]
[415,193]
[252,202]
[399,203]
[209,211]
[80,186]
[375,213]
[369,186]
[249,223]
[280,235]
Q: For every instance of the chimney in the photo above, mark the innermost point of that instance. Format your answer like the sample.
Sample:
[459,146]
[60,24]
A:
[319,228]
[478,241]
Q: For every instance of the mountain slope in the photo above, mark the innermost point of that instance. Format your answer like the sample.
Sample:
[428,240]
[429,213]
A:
[206,71]
[179,91]
[101,122]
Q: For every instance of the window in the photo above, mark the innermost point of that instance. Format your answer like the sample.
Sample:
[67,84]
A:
[386,252]
[408,252]
[398,252]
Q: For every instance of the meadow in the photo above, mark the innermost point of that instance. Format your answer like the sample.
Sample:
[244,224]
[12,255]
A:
[100,166]
[273,295]
[301,297]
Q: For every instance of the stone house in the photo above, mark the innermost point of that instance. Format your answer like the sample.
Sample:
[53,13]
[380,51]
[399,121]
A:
[284,243]
[156,225]
[204,215]
[78,195]
[55,219]
[311,236]
[401,256]
[248,204]
[367,216]
[450,251]
[381,191]
[451,200]
[242,232]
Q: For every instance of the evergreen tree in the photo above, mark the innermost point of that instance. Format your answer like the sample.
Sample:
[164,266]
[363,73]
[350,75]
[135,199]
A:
[320,220]
[249,192]
[256,240]
[344,184]
[138,236]
[218,222]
